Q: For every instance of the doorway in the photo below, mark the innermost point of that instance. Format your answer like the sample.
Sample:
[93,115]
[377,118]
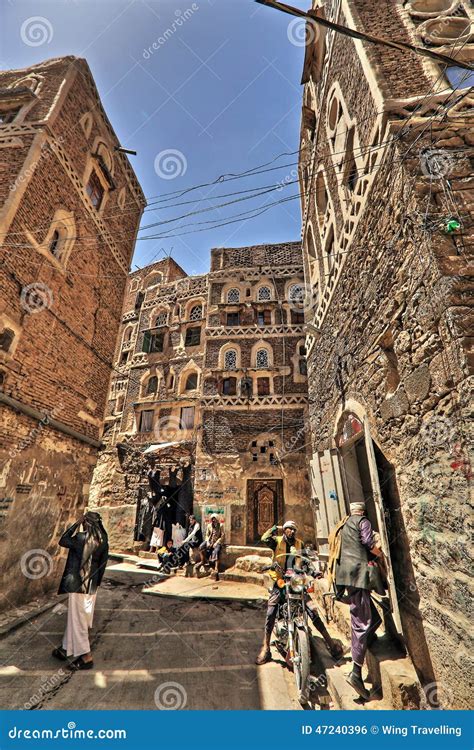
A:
[264,506]
[368,478]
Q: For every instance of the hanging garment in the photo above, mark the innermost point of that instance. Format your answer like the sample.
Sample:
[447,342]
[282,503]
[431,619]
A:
[178,534]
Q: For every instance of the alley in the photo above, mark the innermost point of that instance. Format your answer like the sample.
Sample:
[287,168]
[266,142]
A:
[150,653]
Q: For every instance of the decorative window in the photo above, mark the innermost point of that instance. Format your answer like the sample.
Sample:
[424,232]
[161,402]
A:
[86,123]
[262,359]
[196,313]
[145,423]
[230,360]
[6,339]
[161,319]
[127,335]
[264,318]
[119,403]
[171,383]
[233,319]
[139,300]
[152,385]
[229,386]
[302,366]
[121,198]
[153,342]
[297,318]
[153,280]
[187,418]
[95,190]
[263,386]
[233,296]
[193,337]
[124,358]
[296,293]
[264,294]
[191,382]
[54,245]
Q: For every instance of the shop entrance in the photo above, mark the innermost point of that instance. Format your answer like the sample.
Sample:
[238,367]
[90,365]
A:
[264,506]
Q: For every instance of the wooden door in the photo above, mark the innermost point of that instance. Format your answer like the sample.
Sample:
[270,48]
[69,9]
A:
[264,506]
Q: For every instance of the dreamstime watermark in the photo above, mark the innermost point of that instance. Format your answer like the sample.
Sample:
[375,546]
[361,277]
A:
[180,19]
[36,297]
[302,297]
[35,432]
[170,696]
[167,428]
[36,563]
[44,688]
[436,163]
[36,31]
[170,164]
[301,33]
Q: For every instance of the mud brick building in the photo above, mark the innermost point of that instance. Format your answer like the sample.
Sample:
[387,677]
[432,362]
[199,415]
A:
[71,206]
[387,236]
[210,387]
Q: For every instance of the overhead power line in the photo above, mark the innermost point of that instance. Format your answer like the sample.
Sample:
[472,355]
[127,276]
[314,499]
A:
[347,31]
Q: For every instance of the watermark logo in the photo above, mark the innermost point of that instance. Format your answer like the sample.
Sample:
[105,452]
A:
[167,428]
[170,164]
[36,297]
[436,163]
[170,696]
[302,297]
[36,563]
[36,31]
[181,16]
[300,33]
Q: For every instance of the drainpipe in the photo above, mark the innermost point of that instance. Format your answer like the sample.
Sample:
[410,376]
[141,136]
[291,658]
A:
[35,414]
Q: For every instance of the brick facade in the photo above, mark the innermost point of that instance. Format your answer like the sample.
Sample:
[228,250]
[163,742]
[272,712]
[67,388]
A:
[64,270]
[228,417]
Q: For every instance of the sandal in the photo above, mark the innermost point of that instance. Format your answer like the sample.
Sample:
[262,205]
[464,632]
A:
[59,653]
[263,658]
[80,664]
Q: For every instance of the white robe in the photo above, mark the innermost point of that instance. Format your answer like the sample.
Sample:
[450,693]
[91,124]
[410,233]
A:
[80,614]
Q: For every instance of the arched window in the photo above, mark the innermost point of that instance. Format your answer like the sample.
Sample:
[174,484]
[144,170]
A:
[296,293]
[230,360]
[61,235]
[233,295]
[127,334]
[161,319]
[153,280]
[264,294]
[152,385]
[191,382]
[262,359]
[196,312]
[302,360]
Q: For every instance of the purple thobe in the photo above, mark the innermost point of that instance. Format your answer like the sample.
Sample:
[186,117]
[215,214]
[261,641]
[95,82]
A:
[364,616]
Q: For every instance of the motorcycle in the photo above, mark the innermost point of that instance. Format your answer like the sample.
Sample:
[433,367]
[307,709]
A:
[291,626]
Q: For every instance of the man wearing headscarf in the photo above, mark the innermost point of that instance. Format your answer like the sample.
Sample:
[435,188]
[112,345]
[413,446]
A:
[88,547]
[285,549]
[357,574]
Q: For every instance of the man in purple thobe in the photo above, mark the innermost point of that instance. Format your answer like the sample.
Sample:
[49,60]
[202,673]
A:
[354,574]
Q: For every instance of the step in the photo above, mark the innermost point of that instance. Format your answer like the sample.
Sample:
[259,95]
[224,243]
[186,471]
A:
[243,576]
[389,670]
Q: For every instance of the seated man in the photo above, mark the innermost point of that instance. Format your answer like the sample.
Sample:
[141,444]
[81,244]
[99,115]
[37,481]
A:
[167,557]
[212,544]
[284,548]
[192,540]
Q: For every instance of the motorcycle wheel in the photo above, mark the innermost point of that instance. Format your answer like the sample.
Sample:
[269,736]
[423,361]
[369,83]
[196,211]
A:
[301,667]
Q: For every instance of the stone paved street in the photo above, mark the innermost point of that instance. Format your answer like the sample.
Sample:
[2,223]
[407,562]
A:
[205,648]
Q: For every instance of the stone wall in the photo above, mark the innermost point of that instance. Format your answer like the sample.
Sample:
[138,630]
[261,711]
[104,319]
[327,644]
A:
[389,331]
[60,305]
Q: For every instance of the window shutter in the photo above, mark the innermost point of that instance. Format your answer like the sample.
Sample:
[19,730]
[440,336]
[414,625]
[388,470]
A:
[146,341]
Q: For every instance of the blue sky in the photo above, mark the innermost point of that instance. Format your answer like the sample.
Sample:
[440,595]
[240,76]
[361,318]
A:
[199,89]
